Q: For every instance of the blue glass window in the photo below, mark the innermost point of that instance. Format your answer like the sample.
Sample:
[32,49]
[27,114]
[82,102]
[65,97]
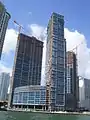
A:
[31,102]
[37,101]
[42,102]
[24,97]
[37,94]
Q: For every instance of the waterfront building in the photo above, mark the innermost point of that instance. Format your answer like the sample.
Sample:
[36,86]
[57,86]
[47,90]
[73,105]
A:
[56,63]
[33,96]
[84,93]
[4,18]
[27,64]
[72,82]
[4,84]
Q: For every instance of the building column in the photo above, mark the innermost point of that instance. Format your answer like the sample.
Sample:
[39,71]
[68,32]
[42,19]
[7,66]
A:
[34,107]
[45,108]
[27,107]
[42,107]
[21,106]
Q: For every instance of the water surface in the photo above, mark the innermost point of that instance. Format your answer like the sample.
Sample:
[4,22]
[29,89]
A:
[37,116]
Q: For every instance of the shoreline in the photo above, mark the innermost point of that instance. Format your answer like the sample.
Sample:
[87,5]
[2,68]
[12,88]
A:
[47,112]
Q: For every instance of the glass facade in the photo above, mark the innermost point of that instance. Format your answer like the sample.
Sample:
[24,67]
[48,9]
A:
[4,84]
[34,95]
[4,18]
[56,62]
[72,82]
[27,63]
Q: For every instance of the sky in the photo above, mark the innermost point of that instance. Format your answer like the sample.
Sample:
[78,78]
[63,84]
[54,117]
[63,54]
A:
[34,15]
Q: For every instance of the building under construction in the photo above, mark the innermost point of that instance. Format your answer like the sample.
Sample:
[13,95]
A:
[72,82]
[56,63]
[27,66]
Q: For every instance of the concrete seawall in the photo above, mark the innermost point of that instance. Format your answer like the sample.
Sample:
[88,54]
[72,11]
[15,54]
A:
[47,112]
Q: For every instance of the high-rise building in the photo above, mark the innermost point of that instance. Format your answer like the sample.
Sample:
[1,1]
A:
[84,93]
[72,82]
[4,18]
[27,64]
[56,63]
[4,84]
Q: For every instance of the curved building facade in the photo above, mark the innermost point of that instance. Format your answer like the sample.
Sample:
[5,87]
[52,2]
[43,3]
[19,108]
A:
[29,96]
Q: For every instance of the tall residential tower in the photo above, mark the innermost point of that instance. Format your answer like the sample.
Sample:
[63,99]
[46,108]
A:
[27,64]
[4,18]
[56,63]
[72,82]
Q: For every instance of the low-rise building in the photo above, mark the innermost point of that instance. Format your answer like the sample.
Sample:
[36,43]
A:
[33,96]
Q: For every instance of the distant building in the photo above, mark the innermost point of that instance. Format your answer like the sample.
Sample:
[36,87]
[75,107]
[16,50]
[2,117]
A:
[72,82]
[4,84]
[56,63]
[33,96]
[28,63]
[4,18]
[84,93]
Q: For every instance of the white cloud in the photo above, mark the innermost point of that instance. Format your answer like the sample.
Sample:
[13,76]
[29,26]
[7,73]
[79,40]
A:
[38,31]
[9,45]
[10,40]
[83,52]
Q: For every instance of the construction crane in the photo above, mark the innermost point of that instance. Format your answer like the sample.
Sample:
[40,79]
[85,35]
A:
[75,48]
[19,28]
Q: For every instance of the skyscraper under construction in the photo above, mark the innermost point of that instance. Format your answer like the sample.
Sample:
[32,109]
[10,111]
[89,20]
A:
[72,91]
[56,63]
[27,64]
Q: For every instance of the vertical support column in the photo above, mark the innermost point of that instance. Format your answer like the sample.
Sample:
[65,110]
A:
[42,107]
[45,108]
[34,107]
[27,107]
[21,106]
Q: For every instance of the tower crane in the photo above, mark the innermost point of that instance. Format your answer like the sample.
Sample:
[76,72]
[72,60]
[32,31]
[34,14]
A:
[19,27]
[76,47]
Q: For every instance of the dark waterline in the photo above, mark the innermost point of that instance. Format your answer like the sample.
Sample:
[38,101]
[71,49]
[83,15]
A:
[37,116]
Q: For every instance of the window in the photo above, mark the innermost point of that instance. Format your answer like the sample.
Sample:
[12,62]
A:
[25,97]
[42,102]
[37,94]
[31,96]
[54,60]
[15,98]
[37,101]
[25,67]
[26,59]
[31,102]
[59,99]
[54,53]
[20,98]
